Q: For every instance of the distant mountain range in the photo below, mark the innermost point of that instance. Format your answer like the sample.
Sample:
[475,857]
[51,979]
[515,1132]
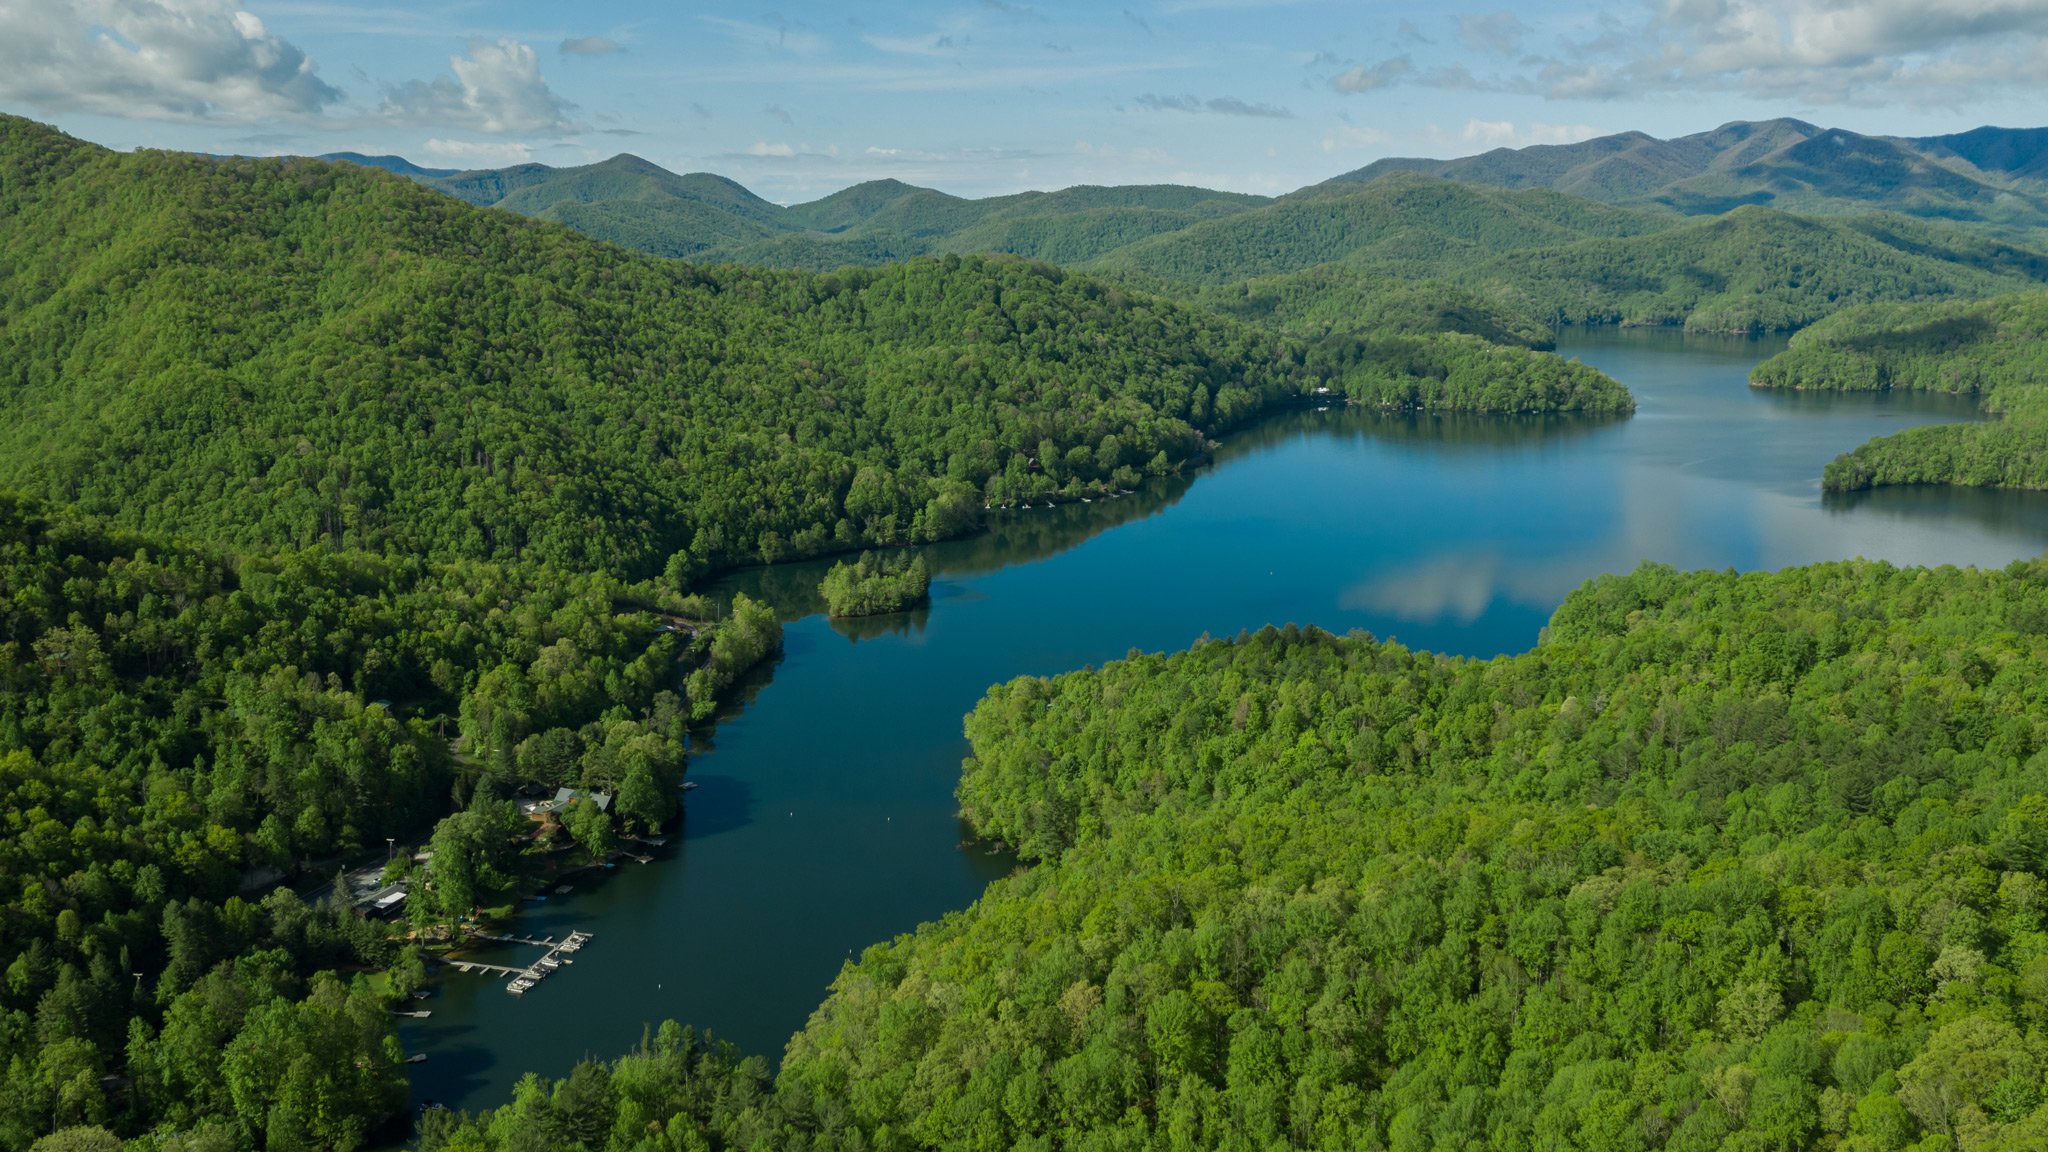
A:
[398,164]
[1751,226]
[1995,176]
[637,204]
[1992,178]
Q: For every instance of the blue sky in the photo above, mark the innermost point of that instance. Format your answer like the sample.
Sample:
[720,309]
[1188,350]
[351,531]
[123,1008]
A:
[796,99]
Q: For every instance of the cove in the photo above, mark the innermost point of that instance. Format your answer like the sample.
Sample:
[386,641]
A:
[824,821]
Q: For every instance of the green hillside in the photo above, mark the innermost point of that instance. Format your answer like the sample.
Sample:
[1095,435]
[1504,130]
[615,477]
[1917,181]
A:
[627,201]
[1410,219]
[1337,300]
[1727,861]
[281,353]
[1991,177]
[1753,269]
[175,721]
[1564,260]
[1567,234]
[1995,350]
[639,205]
[356,506]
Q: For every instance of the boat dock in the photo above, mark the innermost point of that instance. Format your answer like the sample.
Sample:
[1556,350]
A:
[521,980]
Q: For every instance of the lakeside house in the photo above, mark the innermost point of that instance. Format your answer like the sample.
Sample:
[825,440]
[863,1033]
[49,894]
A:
[549,811]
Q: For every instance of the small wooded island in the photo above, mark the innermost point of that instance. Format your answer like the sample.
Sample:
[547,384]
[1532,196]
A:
[876,584]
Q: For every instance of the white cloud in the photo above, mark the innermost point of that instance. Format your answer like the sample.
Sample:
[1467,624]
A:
[1507,134]
[497,88]
[160,59]
[480,153]
[764,148]
[1820,51]
[1490,133]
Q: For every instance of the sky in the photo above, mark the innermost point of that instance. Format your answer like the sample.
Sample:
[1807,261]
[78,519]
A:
[797,99]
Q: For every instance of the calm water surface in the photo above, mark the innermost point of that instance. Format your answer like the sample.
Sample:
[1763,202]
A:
[824,817]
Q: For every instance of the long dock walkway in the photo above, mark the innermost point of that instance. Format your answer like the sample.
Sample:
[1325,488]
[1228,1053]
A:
[522,979]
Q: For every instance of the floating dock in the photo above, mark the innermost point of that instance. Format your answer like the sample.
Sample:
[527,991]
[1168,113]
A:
[522,980]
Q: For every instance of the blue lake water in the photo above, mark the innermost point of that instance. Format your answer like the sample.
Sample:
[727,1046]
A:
[824,819]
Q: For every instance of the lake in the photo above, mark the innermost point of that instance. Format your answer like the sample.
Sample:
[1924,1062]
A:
[824,820]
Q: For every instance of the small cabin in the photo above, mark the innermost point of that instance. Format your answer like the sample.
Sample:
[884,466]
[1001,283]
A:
[549,810]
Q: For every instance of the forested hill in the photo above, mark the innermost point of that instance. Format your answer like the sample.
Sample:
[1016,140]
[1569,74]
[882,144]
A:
[640,205]
[1564,260]
[277,353]
[1995,350]
[179,728]
[1554,257]
[1727,861]
[1989,176]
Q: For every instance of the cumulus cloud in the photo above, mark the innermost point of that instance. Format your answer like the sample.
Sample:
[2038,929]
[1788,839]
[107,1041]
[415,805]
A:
[1872,52]
[1823,51]
[497,88]
[590,46]
[1218,105]
[162,59]
[479,153]
[1507,134]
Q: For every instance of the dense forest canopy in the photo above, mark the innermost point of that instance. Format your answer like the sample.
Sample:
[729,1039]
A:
[355,506]
[281,353]
[1568,261]
[1565,235]
[179,728]
[1726,861]
[1995,350]
[1988,177]
[875,584]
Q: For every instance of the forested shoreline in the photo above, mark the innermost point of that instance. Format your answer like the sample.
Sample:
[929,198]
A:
[277,353]
[349,512]
[1994,350]
[354,508]
[1725,861]
[179,724]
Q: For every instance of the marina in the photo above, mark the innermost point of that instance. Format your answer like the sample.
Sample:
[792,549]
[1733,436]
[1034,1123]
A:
[522,980]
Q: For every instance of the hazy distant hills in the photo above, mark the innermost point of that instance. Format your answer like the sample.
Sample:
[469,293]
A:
[1751,226]
[637,204]
[1994,176]
[398,164]
[1995,179]
[1561,259]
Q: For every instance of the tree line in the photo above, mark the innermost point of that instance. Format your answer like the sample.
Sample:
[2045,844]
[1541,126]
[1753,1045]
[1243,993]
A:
[1994,350]
[1726,861]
